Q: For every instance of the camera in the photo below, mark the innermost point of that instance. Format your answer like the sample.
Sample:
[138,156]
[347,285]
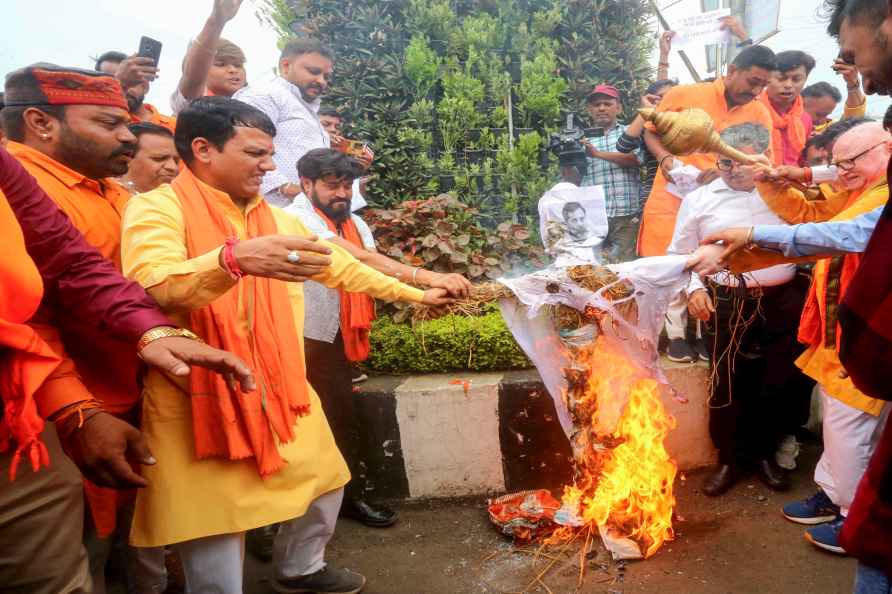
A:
[567,145]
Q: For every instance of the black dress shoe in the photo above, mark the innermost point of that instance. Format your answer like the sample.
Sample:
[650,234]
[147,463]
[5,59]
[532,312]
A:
[772,475]
[374,516]
[721,479]
[259,542]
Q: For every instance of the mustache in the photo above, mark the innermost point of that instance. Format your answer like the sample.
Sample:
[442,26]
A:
[126,148]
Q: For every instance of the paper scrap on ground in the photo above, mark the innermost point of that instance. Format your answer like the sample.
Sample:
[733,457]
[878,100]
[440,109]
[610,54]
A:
[700,29]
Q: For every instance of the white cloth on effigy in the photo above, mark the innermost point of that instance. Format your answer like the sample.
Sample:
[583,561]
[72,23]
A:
[655,280]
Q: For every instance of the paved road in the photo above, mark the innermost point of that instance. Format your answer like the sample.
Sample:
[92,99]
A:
[736,544]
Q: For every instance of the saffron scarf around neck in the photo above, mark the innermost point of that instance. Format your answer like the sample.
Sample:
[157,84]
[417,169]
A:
[357,309]
[226,421]
[789,122]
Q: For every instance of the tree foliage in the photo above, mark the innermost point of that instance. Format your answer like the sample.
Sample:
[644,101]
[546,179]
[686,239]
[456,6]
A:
[427,82]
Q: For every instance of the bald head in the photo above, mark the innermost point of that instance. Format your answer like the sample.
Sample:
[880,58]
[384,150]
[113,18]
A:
[862,155]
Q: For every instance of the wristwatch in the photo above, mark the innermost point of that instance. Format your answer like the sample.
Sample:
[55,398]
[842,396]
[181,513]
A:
[164,332]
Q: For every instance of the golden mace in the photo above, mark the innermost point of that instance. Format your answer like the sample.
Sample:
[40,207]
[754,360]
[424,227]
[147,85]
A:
[692,131]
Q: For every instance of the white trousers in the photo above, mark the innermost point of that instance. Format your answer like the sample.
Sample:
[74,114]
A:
[850,438]
[215,564]
[677,318]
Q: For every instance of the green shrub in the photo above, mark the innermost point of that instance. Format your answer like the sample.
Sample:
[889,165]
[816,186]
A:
[451,343]
[422,65]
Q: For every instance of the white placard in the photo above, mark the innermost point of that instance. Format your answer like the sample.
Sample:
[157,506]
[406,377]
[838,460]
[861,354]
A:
[700,29]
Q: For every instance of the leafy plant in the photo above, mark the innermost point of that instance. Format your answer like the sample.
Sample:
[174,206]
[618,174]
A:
[445,235]
[446,66]
[541,90]
[522,170]
[451,343]
[422,65]
[434,18]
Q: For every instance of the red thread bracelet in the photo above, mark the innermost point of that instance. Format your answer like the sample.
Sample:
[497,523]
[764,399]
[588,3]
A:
[229,258]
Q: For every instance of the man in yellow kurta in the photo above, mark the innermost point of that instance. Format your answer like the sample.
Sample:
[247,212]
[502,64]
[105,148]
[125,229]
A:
[214,255]
[853,421]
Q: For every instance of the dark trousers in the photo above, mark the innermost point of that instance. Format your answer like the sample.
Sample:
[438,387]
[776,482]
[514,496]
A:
[752,376]
[328,371]
[621,243]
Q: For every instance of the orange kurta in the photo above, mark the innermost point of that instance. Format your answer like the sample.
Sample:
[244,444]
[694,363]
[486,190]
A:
[25,360]
[105,368]
[661,208]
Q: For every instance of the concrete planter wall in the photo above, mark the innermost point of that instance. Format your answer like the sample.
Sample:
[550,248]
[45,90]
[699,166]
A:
[479,433]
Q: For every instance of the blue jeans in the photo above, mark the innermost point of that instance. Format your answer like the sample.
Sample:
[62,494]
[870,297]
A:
[869,580]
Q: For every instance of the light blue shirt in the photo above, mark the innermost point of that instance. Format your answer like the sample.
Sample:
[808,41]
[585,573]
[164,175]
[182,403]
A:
[812,239]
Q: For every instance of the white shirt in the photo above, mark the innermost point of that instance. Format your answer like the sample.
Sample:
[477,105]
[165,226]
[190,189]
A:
[322,317]
[715,207]
[298,131]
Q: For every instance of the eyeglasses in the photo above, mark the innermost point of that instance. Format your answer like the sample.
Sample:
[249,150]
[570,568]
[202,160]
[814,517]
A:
[727,164]
[849,164]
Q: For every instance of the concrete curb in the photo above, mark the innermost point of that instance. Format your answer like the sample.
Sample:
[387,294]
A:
[459,434]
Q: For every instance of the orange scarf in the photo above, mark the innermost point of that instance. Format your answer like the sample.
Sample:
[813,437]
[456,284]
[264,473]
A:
[227,422]
[25,359]
[818,312]
[357,309]
[791,122]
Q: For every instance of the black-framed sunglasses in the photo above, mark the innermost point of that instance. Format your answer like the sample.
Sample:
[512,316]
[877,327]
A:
[849,164]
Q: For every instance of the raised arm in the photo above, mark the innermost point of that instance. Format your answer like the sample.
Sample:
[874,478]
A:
[200,55]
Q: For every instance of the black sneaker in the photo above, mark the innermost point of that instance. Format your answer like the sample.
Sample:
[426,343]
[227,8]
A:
[327,580]
[700,349]
[356,375]
[680,351]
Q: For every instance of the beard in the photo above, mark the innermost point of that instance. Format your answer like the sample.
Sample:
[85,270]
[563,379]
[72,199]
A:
[336,210]
[86,157]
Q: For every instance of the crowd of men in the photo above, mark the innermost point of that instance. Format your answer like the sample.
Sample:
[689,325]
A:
[144,314]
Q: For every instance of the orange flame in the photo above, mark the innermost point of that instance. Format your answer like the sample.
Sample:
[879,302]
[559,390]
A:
[624,476]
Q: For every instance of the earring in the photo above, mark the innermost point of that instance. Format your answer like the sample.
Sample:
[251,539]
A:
[44,136]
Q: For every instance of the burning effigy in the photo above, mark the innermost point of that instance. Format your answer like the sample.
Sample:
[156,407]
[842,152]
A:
[591,331]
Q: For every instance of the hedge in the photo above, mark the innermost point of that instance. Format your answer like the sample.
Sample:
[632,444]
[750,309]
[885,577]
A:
[451,343]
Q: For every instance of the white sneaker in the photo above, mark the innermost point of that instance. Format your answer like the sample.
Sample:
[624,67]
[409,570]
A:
[787,453]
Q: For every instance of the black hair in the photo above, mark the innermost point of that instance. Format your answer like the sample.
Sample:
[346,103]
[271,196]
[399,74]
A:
[331,112]
[887,119]
[112,56]
[323,162]
[14,119]
[215,119]
[2,100]
[305,45]
[757,56]
[871,12]
[140,128]
[818,142]
[792,59]
[822,89]
[658,85]
[571,207]
[837,129]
